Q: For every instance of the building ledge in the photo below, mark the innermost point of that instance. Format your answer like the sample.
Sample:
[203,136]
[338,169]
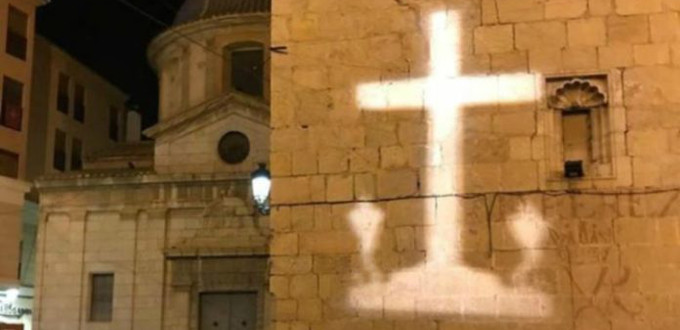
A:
[128,177]
[225,104]
[236,252]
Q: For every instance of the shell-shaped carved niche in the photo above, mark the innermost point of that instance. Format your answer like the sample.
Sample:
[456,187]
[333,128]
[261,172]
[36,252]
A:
[577,94]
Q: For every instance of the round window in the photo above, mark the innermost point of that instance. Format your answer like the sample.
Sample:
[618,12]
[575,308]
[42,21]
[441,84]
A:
[234,147]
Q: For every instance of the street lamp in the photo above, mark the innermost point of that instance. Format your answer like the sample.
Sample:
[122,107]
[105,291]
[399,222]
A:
[11,295]
[261,184]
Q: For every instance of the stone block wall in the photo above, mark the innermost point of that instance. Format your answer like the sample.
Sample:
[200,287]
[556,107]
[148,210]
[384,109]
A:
[194,149]
[396,205]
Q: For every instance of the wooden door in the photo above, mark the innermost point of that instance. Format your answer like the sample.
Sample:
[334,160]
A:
[228,311]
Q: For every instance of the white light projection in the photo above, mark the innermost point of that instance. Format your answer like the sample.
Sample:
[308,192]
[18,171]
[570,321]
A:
[464,290]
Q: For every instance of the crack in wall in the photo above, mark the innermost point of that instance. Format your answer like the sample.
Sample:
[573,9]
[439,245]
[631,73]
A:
[415,10]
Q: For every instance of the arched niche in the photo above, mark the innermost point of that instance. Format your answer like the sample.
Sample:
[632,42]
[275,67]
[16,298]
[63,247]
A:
[582,130]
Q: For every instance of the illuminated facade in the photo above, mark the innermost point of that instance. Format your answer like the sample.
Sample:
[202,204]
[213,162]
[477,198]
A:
[448,165]
[163,234]
[491,164]
[16,54]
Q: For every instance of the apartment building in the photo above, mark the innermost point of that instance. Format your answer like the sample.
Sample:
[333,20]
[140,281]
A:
[16,55]
[75,112]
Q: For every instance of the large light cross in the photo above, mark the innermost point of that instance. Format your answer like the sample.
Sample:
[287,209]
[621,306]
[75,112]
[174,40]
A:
[443,93]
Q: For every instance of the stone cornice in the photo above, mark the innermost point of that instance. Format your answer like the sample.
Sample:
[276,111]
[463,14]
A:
[183,33]
[126,178]
[221,106]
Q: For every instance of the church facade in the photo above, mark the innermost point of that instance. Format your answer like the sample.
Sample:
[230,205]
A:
[436,164]
[164,235]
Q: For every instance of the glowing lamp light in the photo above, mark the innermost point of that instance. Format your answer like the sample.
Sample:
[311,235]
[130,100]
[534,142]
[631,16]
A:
[11,295]
[261,184]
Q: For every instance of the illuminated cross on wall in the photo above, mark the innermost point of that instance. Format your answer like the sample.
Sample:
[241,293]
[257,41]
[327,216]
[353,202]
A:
[442,94]
[445,91]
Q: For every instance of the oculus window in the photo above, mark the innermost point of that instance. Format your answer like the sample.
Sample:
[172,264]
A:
[233,147]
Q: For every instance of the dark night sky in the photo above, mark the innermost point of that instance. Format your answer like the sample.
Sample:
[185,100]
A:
[111,38]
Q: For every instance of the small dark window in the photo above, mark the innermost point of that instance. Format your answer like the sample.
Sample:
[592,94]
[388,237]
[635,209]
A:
[16,33]
[233,147]
[101,298]
[62,93]
[79,103]
[576,136]
[12,111]
[9,164]
[114,124]
[21,254]
[76,155]
[247,72]
[59,161]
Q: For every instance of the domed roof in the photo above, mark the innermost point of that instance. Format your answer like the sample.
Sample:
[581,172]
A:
[194,10]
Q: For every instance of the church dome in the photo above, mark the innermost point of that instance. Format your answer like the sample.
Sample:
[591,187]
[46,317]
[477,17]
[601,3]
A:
[194,10]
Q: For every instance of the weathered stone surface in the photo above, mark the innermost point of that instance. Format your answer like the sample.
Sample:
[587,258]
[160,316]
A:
[655,54]
[546,60]
[540,35]
[512,62]
[565,9]
[327,242]
[665,27]
[600,7]
[651,85]
[284,245]
[616,56]
[397,183]
[633,7]
[579,59]
[494,39]
[628,29]
[520,10]
[587,32]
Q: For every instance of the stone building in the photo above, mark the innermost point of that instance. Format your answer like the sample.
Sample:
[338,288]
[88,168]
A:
[164,236]
[437,164]
[420,154]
